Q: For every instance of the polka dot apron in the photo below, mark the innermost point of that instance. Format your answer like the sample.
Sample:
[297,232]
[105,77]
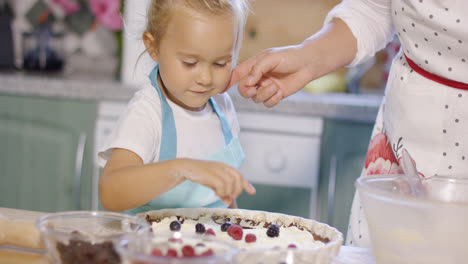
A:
[425,108]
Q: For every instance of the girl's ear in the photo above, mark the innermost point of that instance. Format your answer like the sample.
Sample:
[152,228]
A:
[150,44]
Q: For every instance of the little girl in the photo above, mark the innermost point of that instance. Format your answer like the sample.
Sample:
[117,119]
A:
[176,144]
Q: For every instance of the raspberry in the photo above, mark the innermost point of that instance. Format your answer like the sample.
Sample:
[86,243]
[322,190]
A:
[273,231]
[225,226]
[207,253]
[292,246]
[199,228]
[250,238]
[172,253]
[235,231]
[188,251]
[156,252]
[175,225]
[210,232]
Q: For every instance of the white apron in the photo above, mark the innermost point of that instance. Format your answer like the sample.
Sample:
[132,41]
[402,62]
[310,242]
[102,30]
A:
[422,111]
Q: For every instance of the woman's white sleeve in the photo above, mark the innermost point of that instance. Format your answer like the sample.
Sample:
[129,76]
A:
[370,22]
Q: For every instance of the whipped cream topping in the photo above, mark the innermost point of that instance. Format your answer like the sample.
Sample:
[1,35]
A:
[291,235]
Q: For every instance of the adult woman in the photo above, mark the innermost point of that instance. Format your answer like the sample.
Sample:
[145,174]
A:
[425,106]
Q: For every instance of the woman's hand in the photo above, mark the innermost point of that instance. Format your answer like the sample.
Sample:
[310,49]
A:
[226,181]
[277,73]
[272,75]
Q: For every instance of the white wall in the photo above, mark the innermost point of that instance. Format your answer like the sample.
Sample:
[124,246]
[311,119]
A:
[135,23]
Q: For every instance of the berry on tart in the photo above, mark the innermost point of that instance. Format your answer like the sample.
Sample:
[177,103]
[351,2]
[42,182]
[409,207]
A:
[235,231]
[273,231]
[250,238]
[225,226]
[200,228]
[210,232]
[175,226]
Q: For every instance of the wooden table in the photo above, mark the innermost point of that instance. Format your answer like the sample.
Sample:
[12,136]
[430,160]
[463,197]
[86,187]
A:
[12,255]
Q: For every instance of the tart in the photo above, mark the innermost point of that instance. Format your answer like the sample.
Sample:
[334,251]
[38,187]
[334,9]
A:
[249,230]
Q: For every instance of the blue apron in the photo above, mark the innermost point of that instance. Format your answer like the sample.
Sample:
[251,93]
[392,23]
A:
[189,194]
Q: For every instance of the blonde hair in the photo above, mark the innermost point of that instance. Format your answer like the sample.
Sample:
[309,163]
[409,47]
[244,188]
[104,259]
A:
[159,15]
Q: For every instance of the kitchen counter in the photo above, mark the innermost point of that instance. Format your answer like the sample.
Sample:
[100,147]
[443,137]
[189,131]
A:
[12,255]
[334,106]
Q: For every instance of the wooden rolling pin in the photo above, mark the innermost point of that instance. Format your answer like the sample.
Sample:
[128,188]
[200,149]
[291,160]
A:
[17,228]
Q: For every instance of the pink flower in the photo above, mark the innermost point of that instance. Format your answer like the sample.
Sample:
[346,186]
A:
[107,13]
[69,6]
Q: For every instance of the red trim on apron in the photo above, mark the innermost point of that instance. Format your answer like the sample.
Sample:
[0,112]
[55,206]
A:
[435,78]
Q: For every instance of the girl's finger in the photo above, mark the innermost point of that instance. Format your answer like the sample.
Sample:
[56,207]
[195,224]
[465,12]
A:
[249,187]
[227,200]
[237,190]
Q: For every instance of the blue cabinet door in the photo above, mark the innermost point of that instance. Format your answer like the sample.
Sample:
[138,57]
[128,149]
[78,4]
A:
[46,153]
[344,149]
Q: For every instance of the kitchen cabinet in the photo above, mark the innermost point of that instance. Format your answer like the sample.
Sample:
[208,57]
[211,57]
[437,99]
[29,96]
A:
[344,149]
[282,162]
[46,153]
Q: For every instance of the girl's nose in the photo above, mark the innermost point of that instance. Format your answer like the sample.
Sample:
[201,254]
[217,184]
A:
[205,76]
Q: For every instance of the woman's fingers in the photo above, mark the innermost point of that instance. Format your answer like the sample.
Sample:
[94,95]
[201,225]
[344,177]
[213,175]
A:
[243,70]
[265,91]
[274,100]
[264,64]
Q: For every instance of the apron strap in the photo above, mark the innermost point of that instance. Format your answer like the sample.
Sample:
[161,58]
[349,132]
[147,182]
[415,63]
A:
[224,123]
[168,148]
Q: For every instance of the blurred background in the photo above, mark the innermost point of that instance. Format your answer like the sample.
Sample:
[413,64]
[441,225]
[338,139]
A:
[68,68]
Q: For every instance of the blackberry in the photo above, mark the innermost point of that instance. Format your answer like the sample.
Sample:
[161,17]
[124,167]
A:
[273,231]
[225,226]
[200,228]
[175,225]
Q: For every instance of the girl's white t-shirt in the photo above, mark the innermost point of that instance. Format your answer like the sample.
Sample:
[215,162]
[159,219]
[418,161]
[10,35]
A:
[199,133]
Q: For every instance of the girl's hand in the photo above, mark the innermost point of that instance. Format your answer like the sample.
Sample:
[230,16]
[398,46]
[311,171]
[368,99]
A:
[224,180]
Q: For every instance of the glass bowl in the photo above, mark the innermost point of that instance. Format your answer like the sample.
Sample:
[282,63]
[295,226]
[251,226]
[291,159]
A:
[174,249]
[287,256]
[405,229]
[86,236]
